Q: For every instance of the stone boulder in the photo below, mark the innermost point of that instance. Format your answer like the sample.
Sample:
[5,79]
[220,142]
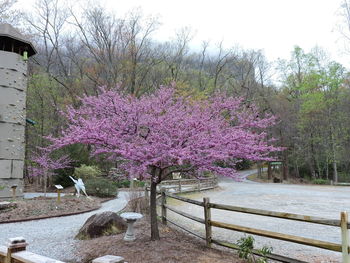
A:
[6,205]
[102,224]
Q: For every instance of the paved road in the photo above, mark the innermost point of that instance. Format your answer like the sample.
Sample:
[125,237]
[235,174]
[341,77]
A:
[54,237]
[322,201]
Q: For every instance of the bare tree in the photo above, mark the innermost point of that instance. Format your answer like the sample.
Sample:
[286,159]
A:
[344,26]
[120,50]
[48,22]
[177,52]
[7,13]
[222,59]
[203,57]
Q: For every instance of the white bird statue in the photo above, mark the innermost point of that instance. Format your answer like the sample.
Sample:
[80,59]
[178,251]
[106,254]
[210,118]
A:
[79,185]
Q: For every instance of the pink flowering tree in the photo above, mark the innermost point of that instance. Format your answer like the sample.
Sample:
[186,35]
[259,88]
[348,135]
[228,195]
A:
[44,165]
[162,133]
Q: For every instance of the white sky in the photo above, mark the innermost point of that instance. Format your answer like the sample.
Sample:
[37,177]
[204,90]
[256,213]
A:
[274,26]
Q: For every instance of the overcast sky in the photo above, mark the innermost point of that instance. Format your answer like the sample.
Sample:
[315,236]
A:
[275,26]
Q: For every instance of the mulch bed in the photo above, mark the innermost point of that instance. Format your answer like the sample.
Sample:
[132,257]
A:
[174,246]
[44,207]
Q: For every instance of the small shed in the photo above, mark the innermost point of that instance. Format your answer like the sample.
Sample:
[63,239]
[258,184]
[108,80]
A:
[13,41]
[275,171]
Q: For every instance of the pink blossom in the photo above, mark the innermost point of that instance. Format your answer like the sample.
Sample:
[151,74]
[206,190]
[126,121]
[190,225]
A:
[44,165]
[166,132]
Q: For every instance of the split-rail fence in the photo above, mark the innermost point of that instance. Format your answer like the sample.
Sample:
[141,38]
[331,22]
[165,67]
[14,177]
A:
[209,224]
[189,185]
[15,252]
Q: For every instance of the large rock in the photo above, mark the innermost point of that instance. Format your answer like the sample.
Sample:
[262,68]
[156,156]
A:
[102,224]
[6,205]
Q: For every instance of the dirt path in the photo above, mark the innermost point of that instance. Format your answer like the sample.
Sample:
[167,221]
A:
[323,201]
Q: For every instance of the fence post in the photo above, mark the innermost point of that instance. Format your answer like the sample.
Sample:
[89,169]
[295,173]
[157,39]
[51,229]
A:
[199,185]
[207,218]
[164,216]
[180,186]
[15,245]
[58,196]
[344,236]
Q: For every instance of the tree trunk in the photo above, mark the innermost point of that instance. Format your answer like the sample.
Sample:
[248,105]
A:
[37,183]
[335,170]
[49,181]
[153,212]
[269,171]
[45,183]
[285,166]
[296,169]
[311,167]
[259,170]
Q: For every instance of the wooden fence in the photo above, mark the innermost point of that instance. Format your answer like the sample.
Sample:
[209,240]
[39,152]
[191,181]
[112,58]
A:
[209,223]
[189,185]
[15,252]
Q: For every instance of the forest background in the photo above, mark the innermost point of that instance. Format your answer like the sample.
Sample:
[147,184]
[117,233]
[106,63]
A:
[83,48]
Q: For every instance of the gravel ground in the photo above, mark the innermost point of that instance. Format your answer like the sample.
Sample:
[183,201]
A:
[322,201]
[54,237]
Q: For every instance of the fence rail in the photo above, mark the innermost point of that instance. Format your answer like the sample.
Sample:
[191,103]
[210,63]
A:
[208,223]
[289,216]
[15,252]
[189,185]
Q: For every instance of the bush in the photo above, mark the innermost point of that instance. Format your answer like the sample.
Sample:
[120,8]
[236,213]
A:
[138,183]
[246,247]
[320,181]
[86,172]
[343,177]
[244,165]
[62,177]
[100,187]
[123,184]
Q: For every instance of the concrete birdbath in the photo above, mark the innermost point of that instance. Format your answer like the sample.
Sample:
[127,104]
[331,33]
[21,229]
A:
[130,218]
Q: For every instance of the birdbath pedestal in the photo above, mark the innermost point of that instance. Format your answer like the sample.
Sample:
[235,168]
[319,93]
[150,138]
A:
[130,218]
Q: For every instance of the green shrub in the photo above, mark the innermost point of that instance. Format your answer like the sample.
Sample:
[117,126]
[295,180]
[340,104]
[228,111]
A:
[139,183]
[246,250]
[343,177]
[244,164]
[320,181]
[100,187]
[123,184]
[86,172]
[62,177]
[246,246]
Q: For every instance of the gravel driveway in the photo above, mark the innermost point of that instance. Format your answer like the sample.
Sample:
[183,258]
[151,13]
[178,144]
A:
[322,201]
[54,237]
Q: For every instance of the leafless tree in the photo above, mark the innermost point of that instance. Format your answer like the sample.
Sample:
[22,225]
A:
[119,50]
[49,23]
[7,13]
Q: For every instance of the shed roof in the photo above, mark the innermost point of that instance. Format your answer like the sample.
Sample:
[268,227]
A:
[8,32]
